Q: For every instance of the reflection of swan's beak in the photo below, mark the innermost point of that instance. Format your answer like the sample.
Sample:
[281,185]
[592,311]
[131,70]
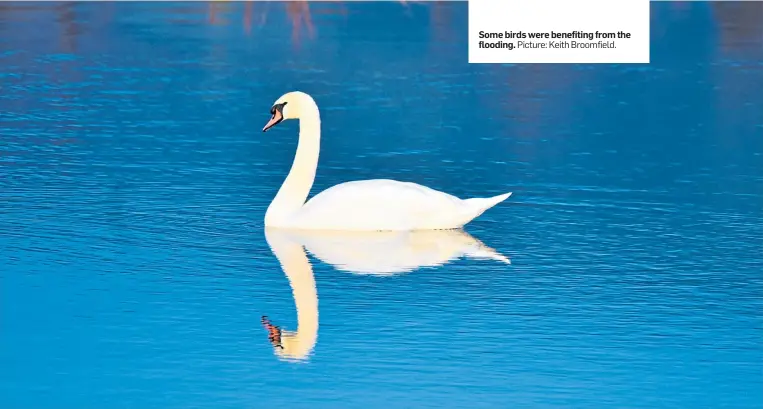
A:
[274,332]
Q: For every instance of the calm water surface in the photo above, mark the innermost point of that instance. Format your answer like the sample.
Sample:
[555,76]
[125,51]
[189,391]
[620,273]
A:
[134,180]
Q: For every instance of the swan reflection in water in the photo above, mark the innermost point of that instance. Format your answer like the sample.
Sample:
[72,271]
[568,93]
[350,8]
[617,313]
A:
[377,253]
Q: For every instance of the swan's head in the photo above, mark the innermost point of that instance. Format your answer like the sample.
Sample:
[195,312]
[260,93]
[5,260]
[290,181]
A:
[292,105]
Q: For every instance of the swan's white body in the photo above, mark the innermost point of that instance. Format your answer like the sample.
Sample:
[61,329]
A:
[381,204]
[378,204]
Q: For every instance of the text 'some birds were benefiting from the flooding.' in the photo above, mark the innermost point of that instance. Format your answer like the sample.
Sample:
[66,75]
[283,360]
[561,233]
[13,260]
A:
[574,39]
[545,31]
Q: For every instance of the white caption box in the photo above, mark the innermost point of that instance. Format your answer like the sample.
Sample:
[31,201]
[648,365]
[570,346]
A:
[558,31]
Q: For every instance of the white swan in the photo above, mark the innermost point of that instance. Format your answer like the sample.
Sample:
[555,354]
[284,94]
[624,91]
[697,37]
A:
[377,253]
[377,204]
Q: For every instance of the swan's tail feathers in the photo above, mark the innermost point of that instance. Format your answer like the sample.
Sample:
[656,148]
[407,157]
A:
[478,205]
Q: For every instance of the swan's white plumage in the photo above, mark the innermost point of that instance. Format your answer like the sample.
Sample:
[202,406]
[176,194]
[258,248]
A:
[383,204]
[377,204]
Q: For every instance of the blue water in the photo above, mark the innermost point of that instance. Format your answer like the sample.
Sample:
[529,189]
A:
[134,180]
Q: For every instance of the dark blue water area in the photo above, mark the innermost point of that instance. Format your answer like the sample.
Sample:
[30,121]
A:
[134,179]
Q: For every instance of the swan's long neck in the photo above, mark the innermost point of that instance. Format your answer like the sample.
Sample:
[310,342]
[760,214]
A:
[298,183]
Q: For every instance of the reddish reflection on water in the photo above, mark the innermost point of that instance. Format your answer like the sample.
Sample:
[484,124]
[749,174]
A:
[740,25]
[300,15]
[739,22]
[739,34]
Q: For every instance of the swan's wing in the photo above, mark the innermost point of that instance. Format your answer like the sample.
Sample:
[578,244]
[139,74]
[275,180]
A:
[381,204]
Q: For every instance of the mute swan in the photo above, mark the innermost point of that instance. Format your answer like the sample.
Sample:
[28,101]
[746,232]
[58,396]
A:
[377,204]
[377,253]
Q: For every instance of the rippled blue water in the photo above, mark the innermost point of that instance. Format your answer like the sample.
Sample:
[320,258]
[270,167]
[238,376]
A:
[134,180]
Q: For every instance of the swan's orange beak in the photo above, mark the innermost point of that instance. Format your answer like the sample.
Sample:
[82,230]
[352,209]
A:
[274,120]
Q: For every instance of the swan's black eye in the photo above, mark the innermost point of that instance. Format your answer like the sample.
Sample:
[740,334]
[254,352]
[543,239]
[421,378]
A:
[277,107]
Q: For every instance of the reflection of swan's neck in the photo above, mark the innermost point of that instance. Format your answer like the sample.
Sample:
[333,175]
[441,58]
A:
[296,266]
[299,344]
[298,183]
